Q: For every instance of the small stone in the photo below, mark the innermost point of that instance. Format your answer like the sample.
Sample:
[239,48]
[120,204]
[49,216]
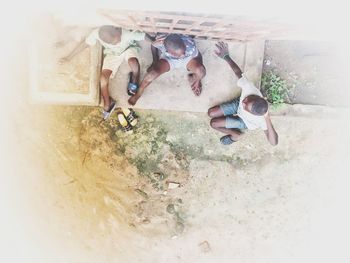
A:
[146,221]
[179,227]
[142,193]
[170,209]
[173,185]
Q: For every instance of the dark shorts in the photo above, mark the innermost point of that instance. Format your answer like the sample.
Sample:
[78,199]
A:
[230,109]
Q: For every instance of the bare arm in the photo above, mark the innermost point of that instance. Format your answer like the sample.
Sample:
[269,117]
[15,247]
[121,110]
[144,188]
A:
[149,38]
[79,48]
[154,53]
[223,53]
[271,133]
[155,58]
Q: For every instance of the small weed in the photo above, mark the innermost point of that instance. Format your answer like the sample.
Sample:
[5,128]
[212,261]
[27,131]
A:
[275,88]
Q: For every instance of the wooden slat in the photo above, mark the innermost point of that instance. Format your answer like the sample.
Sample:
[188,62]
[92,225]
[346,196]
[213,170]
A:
[173,23]
[132,19]
[237,28]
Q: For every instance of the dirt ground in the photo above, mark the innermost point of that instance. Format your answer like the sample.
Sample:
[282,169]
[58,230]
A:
[90,193]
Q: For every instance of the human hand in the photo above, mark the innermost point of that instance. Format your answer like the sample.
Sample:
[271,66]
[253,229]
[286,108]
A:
[222,51]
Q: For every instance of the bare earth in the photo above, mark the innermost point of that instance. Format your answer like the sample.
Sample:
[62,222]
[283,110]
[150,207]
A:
[97,195]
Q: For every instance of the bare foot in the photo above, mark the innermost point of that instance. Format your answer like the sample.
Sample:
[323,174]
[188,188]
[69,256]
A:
[196,85]
[132,100]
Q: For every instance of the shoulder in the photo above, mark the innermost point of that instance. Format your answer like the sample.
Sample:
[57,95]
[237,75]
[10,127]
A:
[243,82]
[92,37]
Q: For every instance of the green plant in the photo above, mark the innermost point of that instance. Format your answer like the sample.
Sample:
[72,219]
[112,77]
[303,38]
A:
[274,88]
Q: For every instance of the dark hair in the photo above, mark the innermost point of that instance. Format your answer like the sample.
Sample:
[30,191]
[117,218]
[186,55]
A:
[107,33]
[174,42]
[259,105]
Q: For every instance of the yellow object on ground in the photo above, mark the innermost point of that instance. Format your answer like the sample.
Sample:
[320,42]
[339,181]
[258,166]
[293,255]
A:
[123,122]
[127,112]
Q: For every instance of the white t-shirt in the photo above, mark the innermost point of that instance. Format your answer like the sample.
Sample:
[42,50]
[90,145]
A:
[128,39]
[252,121]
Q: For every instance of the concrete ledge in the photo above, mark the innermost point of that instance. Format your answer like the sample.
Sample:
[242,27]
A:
[311,111]
[92,98]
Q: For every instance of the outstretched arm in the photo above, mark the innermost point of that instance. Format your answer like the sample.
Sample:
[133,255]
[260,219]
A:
[154,54]
[223,53]
[79,48]
[271,133]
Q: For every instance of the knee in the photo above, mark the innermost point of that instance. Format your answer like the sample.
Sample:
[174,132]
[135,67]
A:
[134,64]
[104,80]
[211,112]
[214,123]
[201,71]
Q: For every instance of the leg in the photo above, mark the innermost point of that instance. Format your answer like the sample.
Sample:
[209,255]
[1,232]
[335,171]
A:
[104,81]
[198,71]
[110,67]
[215,112]
[135,69]
[225,109]
[158,69]
[220,124]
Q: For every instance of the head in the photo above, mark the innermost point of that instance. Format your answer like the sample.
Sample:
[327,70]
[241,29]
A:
[174,45]
[255,105]
[110,34]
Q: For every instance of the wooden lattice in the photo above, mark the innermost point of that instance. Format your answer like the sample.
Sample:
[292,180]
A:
[200,26]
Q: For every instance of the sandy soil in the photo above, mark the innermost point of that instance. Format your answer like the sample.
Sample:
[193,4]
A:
[92,194]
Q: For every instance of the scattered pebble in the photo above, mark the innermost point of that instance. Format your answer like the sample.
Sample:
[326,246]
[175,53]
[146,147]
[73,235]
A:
[170,209]
[173,185]
[146,221]
[142,193]
[204,246]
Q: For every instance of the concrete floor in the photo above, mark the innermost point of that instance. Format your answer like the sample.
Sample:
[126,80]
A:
[315,71]
[171,91]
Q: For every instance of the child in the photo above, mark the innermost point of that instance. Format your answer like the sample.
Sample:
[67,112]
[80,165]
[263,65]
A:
[119,45]
[172,51]
[249,111]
